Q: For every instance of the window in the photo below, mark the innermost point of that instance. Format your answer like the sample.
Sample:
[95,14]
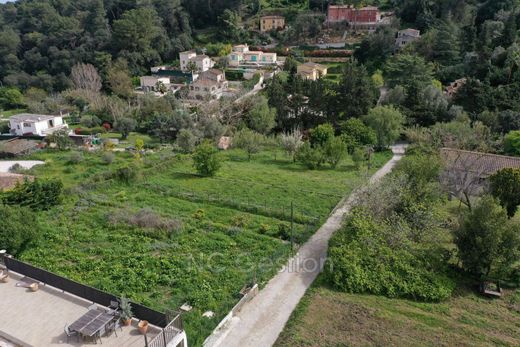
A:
[26,125]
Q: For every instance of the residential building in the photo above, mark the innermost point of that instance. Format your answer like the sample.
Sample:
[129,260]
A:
[312,71]
[241,55]
[35,124]
[365,18]
[154,83]
[270,23]
[406,36]
[201,62]
[211,84]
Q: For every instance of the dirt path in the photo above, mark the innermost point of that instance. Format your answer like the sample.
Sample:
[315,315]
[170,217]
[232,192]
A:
[262,319]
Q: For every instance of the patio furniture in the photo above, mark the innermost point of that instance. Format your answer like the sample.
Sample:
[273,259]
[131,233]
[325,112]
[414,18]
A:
[27,282]
[70,333]
[114,305]
[113,326]
[97,327]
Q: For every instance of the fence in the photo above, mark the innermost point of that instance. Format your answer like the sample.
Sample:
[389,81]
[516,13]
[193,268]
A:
[167,334]
[91,294]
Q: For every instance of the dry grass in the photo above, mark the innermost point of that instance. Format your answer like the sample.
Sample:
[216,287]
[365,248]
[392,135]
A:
[329,318]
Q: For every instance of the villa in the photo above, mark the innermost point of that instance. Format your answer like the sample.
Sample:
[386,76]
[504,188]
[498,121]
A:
[312,71]
[26,124]
[210,85]
[242,56]
[406,36]
[190,60]
[270,23]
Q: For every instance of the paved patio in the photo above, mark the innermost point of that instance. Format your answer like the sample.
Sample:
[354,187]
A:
[37,319]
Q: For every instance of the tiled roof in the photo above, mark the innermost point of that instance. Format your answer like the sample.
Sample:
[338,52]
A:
[483,164]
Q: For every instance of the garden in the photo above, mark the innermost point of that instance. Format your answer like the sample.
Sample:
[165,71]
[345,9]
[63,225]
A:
[149,227]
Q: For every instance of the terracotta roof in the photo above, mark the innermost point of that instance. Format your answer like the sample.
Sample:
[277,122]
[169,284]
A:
[8,180]
[483,164]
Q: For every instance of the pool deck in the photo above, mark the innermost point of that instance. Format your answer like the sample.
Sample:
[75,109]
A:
[38,319]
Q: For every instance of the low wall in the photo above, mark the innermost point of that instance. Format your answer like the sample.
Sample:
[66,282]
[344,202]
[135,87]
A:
[217,333]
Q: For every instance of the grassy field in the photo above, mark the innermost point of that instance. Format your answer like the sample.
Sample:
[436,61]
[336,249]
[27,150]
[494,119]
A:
[329,318]
[217,235]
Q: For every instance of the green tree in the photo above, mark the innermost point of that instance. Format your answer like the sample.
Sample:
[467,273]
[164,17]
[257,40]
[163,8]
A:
[125,126]
[505,186]
[355,134]
[335,150]
[60,139]
[206,159]
[409,71]
[186,140]
[387,122]
[512,143]
[312,157]
[446,46]
[354,95]
[261,117]
[11,98]
[19,227]
[249,141]
[119,80]
[320,135]
[487,242]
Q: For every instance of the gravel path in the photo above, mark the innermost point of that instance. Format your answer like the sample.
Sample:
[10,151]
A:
[262,319]
[26,164]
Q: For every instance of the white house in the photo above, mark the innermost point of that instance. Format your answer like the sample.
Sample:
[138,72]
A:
[210,85]
[203,62]
[241,55]
[406,36]
[153,83]
[35,124]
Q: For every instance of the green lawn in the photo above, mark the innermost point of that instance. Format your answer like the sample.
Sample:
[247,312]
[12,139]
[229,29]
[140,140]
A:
[9,113]
[329,318]
[230,229]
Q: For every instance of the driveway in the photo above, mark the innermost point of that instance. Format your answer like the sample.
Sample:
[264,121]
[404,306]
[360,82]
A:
[26,164]
[262,319]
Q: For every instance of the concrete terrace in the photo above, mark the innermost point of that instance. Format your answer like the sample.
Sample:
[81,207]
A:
[37,319]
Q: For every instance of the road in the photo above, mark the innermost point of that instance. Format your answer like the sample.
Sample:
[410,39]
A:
[262,319]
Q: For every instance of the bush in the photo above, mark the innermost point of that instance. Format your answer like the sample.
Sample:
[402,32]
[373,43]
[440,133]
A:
[512,143]
[313,158]
[75,158]
[335,150]
[90,131]
[126,174]
[146,218]
[206,159]
[362,261]
[19,227]
[17,169]
[37,195]
[186,140]
[108,157]
[321,134]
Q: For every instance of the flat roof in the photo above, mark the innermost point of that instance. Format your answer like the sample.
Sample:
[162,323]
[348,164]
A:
[39,318]
[31,118]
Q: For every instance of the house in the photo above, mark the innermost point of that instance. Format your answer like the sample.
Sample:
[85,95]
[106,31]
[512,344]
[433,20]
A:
[241,55]
[406,36]
[35,124]
[190,58]
[210,85]
[154,83]
[466,173]
[312,71]
[365,18]
[270,23]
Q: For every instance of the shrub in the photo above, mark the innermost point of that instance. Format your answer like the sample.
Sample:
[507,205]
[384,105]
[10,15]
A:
[362,261]
[37,195]
[148,219]
[199,214]
[240,221]
[313,158]
[108,157]
[206,159]
[335,150]
[321,134]
[17,169]
[249,141]
[512,143]
[186,140]
[358,157]
[19,227]
[75,158]
[126,174]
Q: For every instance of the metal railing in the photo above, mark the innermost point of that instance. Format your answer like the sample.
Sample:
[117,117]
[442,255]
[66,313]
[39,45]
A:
[167,334]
